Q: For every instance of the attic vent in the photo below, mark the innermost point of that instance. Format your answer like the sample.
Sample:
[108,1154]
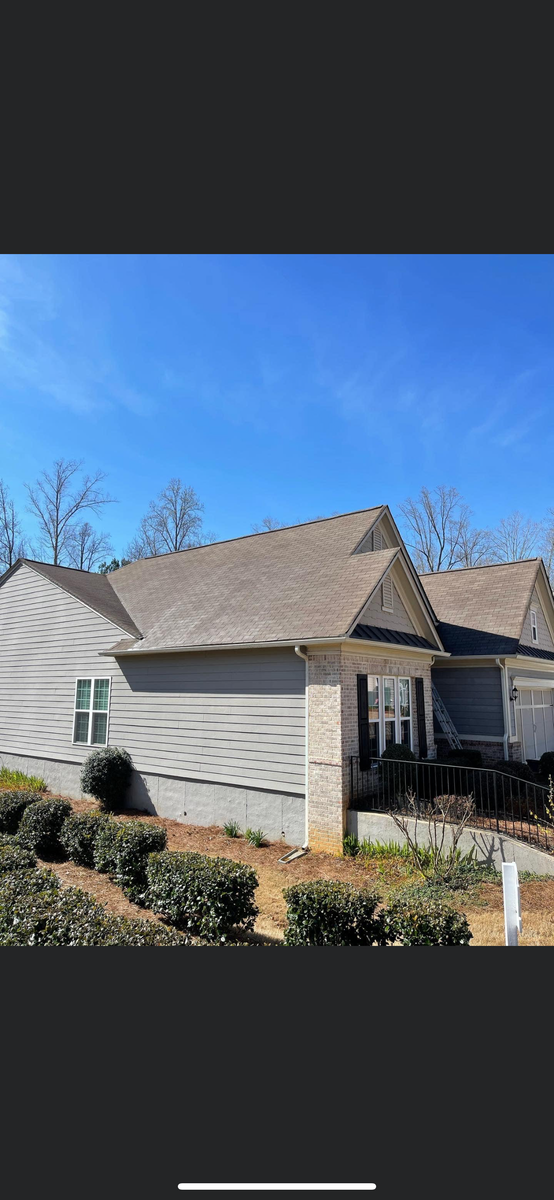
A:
[386,591]
[377,543]
[534,630]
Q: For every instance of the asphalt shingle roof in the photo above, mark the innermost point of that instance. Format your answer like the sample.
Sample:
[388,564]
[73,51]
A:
[290,584]
[481,610]
[94,590]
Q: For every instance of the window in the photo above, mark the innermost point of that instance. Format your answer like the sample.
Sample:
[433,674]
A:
[386,590]
[391,721]
[373,714]
[534,630]
[92,702]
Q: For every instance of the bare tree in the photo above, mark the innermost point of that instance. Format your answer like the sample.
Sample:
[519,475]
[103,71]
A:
[87,546]
[173,522]
[515,537]
[267,524]
[547,544]
[439,526]
[12,545]
[57,499]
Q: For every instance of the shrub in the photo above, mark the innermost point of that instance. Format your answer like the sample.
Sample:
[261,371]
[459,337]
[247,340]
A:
[327,913]
[78,836]
[14,858]
[17,779]
[104,852]
[255,837]
[399,752]
[417,918]
[41,826]
[35,911]
[350,845]
[204,895]
[231,829]
[518,769]
[12,807]
[106,775]
[134,842]
[464,758]
[546,764]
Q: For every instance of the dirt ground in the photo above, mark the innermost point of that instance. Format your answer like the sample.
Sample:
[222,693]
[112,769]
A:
[484,909]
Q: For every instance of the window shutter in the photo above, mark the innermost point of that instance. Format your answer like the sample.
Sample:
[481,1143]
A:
[420,710]
[387,592]
[363,722]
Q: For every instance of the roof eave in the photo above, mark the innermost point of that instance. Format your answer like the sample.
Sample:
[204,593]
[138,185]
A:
[134,652]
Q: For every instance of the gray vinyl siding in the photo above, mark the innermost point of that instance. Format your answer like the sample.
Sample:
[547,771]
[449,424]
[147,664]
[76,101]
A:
[473,698]
[545,641]
[234,717]
[373,614]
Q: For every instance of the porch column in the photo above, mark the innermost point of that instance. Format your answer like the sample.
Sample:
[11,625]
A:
[325,767]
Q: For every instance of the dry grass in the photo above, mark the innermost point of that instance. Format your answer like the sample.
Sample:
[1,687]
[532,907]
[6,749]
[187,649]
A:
[483,907]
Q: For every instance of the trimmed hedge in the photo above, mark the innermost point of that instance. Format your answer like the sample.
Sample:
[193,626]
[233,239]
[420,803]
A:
[325,912]
[546,764]
[518,769]
[36,911]
[41,825]
[106,775]
[14,858]
[415,918]
[206,896]
[12,807]
[79,834]
[104,854]
[135,841]
[399,752]
[464,758]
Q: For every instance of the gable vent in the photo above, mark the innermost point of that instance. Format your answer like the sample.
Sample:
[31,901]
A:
[386,591]
[377,542]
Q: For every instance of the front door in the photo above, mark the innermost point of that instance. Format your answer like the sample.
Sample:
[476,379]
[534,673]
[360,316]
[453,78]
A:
[536,720]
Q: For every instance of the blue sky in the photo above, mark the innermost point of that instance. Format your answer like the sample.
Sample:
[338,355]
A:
[289,385]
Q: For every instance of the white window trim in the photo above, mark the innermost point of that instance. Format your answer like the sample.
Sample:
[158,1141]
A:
[397,718]
[534,626]
[93,679]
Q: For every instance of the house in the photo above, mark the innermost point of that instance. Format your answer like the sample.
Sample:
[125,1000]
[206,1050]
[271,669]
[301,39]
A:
[497,622]
[241,676]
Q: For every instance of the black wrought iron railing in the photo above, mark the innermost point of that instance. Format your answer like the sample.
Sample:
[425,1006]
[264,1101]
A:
[505,803]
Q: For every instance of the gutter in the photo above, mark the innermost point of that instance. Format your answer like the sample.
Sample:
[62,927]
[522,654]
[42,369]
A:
[301,654]
[398,647]
[505,705]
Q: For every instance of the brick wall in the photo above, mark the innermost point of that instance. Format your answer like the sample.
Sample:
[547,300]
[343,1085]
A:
[333,731]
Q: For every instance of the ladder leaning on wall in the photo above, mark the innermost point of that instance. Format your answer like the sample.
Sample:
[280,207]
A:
[445,721]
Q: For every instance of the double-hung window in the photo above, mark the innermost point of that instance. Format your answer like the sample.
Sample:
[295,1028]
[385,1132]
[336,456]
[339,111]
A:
[389,713]
[92,703]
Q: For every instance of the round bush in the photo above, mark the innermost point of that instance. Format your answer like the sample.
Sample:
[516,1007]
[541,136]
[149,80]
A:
[400,752]
[135,841]
[41,826]
[464,758]
[328,913]
[106,775]
[12,807]
[104,857]
[14,858]
[79,834]
[519,770]
[415,918]
[206,896]
[546,764]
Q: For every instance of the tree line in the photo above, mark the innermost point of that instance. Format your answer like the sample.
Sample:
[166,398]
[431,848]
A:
[437,525]
[61,502]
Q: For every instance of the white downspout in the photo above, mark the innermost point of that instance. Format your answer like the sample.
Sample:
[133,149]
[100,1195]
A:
[301,654]
[505,706]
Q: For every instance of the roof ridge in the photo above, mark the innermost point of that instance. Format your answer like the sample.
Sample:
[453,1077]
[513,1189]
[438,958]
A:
[262,533]
[514,562]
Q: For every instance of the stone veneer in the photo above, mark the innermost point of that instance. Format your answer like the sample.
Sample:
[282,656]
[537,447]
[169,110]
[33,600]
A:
[333,730]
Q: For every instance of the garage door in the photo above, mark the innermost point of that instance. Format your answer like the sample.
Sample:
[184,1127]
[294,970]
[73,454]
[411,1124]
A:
[536,715]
